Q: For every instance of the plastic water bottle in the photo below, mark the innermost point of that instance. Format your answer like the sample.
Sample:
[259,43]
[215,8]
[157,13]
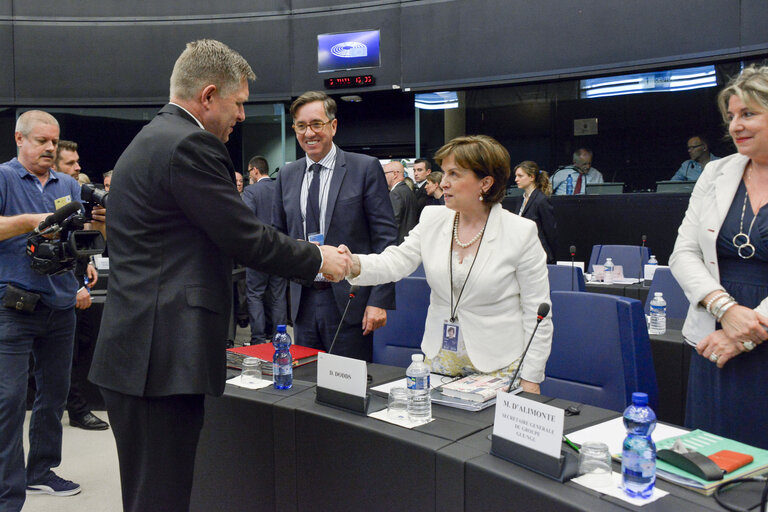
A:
[658,324]
[282,361]
[653,263]
[419,399]
[609,267]
[569,185]
[638,454]
[652,260]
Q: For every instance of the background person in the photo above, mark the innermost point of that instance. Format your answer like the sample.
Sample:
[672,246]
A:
[721,262]
[698,150]
[580,171]
[497,275]
[535,205]
[433,189]
[402,198]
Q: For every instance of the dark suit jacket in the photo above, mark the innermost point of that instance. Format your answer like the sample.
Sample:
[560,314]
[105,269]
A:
[421,198]
[259,197]
[404,205]
[175,221]
[539,209]
[358,214]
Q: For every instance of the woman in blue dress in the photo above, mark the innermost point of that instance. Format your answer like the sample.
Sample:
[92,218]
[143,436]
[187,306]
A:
[721,262]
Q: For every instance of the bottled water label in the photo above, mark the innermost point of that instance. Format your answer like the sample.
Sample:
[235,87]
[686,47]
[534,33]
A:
[281,369]
[418,382]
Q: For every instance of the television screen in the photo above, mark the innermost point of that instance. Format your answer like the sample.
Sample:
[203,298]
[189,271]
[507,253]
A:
[347,50]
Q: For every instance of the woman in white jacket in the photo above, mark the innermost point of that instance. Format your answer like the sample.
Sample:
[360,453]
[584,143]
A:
[485,267]
[721,262]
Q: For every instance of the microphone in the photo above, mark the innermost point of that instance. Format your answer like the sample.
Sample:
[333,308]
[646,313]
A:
[352,293]
[641,277]
[573,270]
[540,314]
[59,216]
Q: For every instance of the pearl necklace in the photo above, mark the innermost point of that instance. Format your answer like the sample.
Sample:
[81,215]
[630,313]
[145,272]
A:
[456,234]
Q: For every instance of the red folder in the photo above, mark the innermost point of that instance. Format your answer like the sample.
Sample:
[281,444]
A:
[265,351]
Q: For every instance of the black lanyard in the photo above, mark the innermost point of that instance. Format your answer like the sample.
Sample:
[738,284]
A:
[450,264]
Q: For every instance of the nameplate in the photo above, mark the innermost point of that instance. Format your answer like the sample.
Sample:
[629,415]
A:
[531,424]
[576,264]
[342,374]
[650,271]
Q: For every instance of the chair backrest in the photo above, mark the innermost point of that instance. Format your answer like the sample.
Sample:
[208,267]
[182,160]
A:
[562,278]
[394,343]
[631,257]
[665,282]
[601,352]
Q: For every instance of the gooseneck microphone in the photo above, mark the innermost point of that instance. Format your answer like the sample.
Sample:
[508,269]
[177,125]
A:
[352,293]
[59,216]
[641,277]
[573,270]
[542,312]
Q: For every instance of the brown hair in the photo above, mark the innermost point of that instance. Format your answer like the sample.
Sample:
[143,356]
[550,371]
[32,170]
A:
[329,105]
[540,176]
[485,157]
[751,86]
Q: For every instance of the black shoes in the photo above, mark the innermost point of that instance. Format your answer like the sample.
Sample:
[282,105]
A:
[88,421]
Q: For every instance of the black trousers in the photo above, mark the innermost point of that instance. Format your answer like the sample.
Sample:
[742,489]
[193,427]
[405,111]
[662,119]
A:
[156,441]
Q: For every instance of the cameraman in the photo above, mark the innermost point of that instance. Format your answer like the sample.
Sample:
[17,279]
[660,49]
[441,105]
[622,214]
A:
[38,317]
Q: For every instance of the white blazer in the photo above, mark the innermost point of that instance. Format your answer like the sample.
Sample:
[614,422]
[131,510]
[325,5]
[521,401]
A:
[497,311]
[694,260]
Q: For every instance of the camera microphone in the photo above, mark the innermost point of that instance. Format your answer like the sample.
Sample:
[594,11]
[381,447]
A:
[59,216]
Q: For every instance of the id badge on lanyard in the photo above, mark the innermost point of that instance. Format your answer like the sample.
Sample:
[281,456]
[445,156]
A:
[450,336]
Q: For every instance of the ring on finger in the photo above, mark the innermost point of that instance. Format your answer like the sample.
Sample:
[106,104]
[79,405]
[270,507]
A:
[749,345]
[714,357]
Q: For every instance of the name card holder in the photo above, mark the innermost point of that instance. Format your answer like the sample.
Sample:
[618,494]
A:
[341,383]
[339,400]
[539,429]
[561,468]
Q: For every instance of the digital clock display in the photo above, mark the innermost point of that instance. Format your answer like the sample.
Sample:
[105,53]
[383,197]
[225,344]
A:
[350,81]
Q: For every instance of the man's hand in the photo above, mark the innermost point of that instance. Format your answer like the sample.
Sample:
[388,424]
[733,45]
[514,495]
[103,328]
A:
[373,318]
[20,224]
[335,264]
[354,270]
[92,274]
[83,299]
[99,220]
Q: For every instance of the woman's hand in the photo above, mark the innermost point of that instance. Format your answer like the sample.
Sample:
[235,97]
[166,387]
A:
[530,387]
[720,344]
[744,324]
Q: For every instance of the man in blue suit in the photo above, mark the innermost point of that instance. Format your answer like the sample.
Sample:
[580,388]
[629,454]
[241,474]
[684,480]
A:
[334,197]
[265,292]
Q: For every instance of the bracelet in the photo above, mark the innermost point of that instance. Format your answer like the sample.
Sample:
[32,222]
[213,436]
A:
[719,303]
[725,308]
[720,309]
[713,299]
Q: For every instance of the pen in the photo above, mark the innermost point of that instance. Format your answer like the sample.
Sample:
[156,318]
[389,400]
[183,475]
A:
[571,444]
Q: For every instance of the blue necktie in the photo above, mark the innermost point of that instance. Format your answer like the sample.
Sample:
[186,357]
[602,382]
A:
[313,201]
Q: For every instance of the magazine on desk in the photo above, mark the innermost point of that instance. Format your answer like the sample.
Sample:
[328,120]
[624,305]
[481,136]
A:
[472,393]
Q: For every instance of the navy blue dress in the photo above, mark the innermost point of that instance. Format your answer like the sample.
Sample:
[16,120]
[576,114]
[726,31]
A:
[733,401]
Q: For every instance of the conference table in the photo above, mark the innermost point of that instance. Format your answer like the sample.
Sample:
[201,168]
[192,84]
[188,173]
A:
[279,450]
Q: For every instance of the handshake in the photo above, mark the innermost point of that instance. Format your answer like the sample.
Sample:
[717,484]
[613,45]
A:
[338,263]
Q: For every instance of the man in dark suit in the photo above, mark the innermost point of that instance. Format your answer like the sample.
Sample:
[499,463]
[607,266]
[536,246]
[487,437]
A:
[267,307]
[334,197]
[421,169]
[176,223]
[402,198]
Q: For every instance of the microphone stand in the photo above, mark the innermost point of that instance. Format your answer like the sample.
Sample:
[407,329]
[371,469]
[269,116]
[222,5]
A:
[641,277]
[573,270]
[540,314]
[352,293]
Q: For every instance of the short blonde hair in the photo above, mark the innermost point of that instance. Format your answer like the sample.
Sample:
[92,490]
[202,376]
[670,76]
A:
[208,62]
[751,86]
[30,118]
[485,156]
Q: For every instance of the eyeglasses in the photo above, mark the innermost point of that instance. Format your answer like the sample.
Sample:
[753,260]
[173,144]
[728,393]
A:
[694,147]
[315,125]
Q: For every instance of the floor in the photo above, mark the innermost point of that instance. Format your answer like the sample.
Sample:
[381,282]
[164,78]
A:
[90,459]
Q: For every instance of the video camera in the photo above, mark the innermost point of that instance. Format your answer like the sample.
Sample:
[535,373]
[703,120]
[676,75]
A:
[53,256]
[92,196]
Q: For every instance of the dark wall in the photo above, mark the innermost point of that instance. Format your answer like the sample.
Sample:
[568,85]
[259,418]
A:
[99,52]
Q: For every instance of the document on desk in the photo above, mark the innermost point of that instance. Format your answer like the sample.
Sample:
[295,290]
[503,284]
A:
[613,432]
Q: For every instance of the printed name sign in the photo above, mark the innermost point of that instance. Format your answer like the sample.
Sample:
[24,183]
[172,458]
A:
[342,374]
[531,424]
